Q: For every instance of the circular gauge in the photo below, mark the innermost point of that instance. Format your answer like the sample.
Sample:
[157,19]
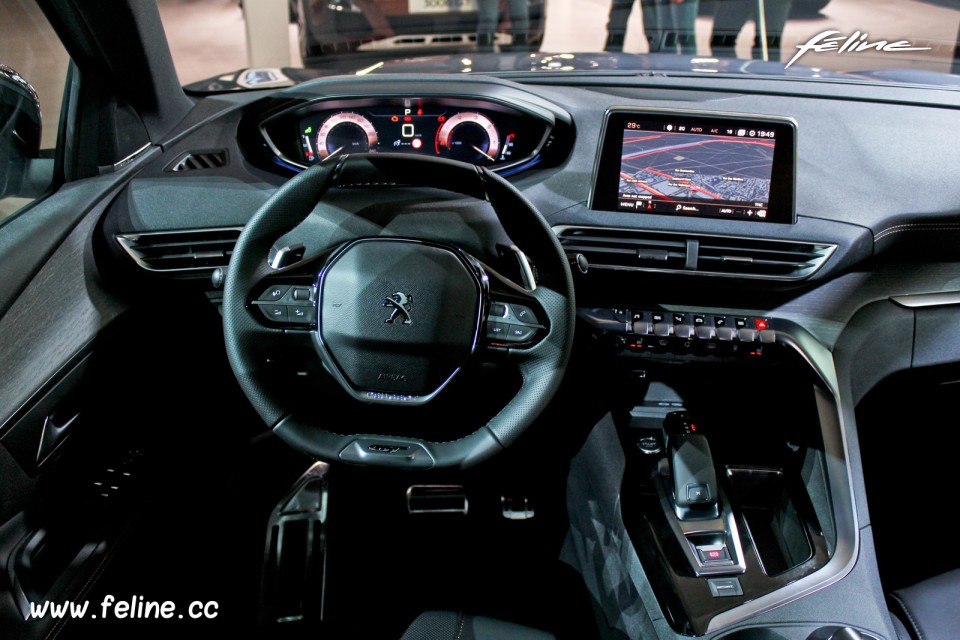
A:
[469,137]
[345,133]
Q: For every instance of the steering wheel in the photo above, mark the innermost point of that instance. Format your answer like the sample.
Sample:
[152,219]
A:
[395,319]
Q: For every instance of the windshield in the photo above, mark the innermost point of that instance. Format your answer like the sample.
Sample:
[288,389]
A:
[912,41]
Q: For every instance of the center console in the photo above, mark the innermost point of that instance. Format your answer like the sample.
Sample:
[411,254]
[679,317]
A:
[734,492]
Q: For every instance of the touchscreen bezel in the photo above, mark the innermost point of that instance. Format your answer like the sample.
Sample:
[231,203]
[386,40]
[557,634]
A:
[781,207]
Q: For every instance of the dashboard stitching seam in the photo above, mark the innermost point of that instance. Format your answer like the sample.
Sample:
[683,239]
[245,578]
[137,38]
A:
[460,628]
[370,184]
[913,622]
[914,227]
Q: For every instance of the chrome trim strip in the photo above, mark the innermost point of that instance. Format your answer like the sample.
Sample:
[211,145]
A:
[839,479]
[456,491]
[133,156]
[127,240]
[921,300]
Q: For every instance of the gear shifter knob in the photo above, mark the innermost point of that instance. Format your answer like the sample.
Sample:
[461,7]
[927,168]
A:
[691,466]
[694,476]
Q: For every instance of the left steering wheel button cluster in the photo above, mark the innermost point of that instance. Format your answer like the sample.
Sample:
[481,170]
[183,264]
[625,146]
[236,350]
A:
[288,304]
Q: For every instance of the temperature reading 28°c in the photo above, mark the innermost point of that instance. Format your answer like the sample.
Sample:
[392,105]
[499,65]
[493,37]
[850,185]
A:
[469,137]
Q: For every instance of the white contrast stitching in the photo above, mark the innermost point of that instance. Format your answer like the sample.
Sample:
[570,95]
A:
[914,227]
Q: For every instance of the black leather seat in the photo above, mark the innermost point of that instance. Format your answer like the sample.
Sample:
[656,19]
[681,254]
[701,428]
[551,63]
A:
[929,610]
[451,625]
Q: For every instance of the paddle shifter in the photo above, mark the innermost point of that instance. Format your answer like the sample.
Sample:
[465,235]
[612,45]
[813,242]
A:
[695,493]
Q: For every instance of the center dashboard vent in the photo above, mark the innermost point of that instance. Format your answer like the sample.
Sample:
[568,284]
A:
[181,252]
[695,254]
[194,160]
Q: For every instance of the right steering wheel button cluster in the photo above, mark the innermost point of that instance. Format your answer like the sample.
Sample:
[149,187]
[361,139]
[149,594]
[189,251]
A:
[509,322]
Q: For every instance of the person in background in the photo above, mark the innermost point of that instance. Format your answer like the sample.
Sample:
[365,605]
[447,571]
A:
[730,16]
[669,25]
[488,19]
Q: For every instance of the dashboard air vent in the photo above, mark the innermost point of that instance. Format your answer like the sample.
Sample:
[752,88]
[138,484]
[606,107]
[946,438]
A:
[609,249]
[695,254]
[193,250]
[199,160]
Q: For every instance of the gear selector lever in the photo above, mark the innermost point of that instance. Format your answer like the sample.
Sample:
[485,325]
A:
[697,511]
[695,492]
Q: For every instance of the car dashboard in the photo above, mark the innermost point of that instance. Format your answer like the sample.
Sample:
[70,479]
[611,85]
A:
[829,210]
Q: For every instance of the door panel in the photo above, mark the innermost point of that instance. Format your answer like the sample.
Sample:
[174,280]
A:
[57,316]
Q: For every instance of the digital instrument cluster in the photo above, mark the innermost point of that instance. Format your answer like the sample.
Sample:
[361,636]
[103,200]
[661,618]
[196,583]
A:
[478,133]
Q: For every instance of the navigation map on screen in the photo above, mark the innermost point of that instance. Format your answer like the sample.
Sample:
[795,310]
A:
[696,170]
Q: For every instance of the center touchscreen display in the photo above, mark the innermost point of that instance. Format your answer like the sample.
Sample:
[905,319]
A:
[700,166]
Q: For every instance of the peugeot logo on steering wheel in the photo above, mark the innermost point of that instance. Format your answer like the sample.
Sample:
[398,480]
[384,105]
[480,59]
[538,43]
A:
[401,304]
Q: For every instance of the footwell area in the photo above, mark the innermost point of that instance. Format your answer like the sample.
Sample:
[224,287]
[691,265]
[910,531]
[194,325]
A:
[196,529]
[909,443]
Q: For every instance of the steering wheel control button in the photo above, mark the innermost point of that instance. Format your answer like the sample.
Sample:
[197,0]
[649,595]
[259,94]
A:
[724,587]
[398,317]
[518,333]
[301,294]
[498,310]
[274,293]
[302,314]
[275,312]
[523,314]
[497,330]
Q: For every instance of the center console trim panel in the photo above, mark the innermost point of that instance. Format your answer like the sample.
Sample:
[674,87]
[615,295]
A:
[840,481]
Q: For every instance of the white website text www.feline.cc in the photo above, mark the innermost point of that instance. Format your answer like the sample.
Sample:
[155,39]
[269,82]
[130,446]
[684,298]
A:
[134,608]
